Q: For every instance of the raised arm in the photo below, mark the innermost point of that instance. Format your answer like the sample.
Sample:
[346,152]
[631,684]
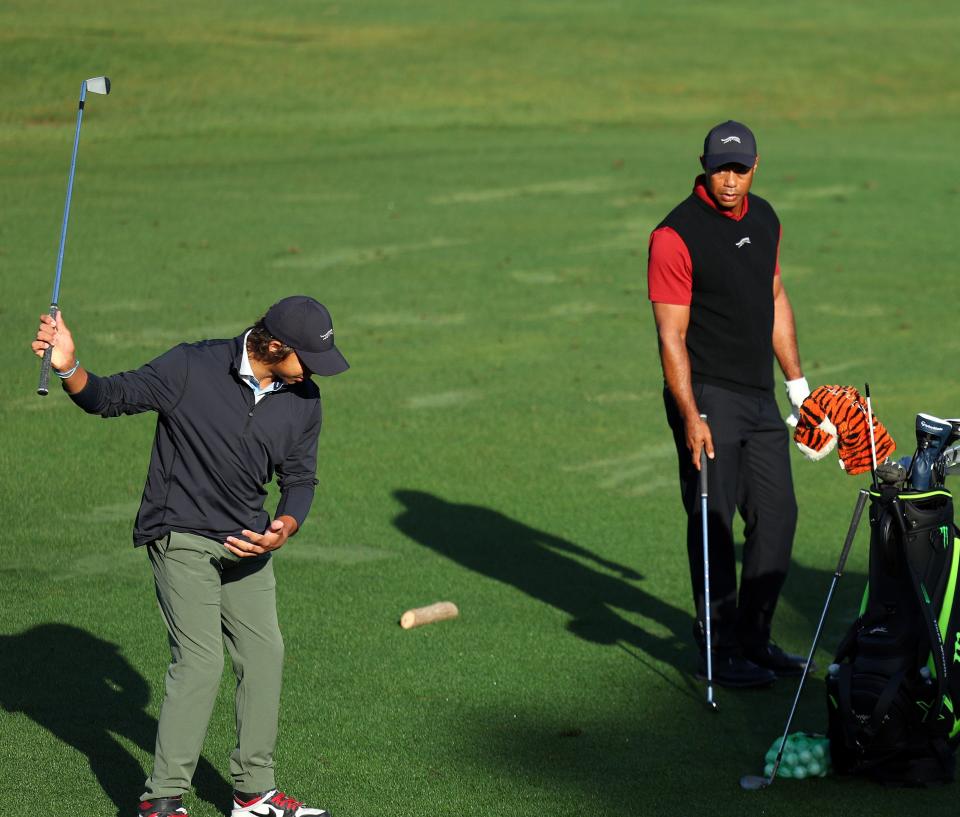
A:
[64,356]
[156,386]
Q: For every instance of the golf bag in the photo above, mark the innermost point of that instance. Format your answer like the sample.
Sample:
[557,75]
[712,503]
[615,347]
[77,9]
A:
[893,691]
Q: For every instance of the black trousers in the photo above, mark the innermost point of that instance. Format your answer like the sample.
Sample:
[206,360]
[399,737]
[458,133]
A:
[750,473]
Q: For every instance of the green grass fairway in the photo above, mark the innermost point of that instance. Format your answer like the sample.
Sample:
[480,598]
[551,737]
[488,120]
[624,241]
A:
[470,188]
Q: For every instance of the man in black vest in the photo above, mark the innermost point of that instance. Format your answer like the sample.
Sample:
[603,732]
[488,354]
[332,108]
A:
[722,315]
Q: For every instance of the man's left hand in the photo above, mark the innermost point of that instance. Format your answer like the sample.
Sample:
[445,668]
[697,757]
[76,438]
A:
[273,537]
[797,391]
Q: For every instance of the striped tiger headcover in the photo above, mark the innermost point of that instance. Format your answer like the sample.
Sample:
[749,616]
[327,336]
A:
[834,415]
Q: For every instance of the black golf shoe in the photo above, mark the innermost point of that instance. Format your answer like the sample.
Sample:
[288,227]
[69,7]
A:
[781,663]
[162,807]
[736,672]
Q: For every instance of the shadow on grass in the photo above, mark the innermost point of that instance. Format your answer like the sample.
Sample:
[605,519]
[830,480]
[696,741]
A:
[651,761]
[806,589]
[83,691]
[589,588]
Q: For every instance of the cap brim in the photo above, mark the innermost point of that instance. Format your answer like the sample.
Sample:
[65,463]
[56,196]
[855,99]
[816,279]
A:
[325,364]
[720,159]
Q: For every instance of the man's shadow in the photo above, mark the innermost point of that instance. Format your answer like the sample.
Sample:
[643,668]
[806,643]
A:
[83,691]
[551,569]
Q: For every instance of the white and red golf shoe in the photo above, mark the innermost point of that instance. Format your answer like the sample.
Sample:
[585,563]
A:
[272,803]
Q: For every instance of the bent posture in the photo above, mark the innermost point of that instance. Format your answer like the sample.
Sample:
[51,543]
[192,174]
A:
[230,415]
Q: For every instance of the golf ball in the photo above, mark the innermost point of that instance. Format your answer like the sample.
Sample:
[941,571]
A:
[800,772]
[805,756]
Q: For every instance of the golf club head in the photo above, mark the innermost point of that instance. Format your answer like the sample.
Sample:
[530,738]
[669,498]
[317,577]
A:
[932,438]
[98,85]
[753,782]
[891,472]
[951,460]
[713,706]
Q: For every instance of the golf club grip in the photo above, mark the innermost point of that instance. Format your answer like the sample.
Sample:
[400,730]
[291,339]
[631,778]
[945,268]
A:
[703,465]
[43,387]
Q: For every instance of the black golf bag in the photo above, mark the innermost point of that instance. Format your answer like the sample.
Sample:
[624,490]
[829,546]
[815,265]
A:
[893,691]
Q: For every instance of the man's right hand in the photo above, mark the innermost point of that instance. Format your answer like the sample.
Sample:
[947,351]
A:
[698,438]
[55,334]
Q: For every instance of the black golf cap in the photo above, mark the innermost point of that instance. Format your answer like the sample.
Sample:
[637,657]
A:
[727,143]
[305,326]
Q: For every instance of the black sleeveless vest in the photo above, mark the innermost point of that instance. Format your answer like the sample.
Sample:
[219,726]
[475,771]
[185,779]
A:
[730,336]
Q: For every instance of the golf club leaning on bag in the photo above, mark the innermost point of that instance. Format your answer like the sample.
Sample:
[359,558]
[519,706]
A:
[96,85]
[752,782]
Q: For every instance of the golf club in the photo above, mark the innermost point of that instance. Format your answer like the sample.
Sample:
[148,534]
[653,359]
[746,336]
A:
[873,442]
[951,457]
[96,85]
[706,574]
[752,782]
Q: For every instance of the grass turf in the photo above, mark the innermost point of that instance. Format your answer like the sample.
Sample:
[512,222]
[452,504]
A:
[470,190]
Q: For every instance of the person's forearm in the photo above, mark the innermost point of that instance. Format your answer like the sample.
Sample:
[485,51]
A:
[785,338]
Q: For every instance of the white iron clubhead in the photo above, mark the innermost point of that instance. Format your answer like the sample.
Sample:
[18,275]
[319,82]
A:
[99,85]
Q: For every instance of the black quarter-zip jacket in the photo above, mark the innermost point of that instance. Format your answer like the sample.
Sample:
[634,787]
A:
[214,450]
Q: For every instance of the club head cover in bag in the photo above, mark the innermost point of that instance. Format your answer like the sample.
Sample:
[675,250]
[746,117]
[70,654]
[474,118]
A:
[933,436]
[845,411]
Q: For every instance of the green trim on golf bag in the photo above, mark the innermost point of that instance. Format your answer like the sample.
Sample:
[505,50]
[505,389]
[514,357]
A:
[893,691]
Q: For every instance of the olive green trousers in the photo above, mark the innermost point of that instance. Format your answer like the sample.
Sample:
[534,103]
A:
[209,597]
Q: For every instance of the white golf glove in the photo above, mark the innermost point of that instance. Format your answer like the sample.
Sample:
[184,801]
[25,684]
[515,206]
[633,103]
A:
[797,391]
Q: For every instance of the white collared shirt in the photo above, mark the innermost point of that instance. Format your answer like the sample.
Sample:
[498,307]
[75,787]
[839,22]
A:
[248,377]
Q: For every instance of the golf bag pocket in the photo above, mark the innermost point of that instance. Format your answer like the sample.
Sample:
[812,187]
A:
[876,727]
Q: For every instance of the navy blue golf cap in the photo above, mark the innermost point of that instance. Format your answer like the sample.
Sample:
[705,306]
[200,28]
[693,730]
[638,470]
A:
[306,327]
[728,143]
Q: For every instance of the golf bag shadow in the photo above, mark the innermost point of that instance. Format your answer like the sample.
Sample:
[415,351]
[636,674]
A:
[893,691]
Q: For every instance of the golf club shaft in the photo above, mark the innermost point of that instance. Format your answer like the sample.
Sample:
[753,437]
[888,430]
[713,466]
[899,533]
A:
[43,387]
[706,568]
[873,443]
[848,542]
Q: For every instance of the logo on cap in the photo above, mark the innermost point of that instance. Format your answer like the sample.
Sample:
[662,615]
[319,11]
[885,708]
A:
[731,139]
[742,241]
[327,335]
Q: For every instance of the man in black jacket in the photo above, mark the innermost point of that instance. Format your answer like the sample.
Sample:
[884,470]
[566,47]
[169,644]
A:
[722,315]
[231,414]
